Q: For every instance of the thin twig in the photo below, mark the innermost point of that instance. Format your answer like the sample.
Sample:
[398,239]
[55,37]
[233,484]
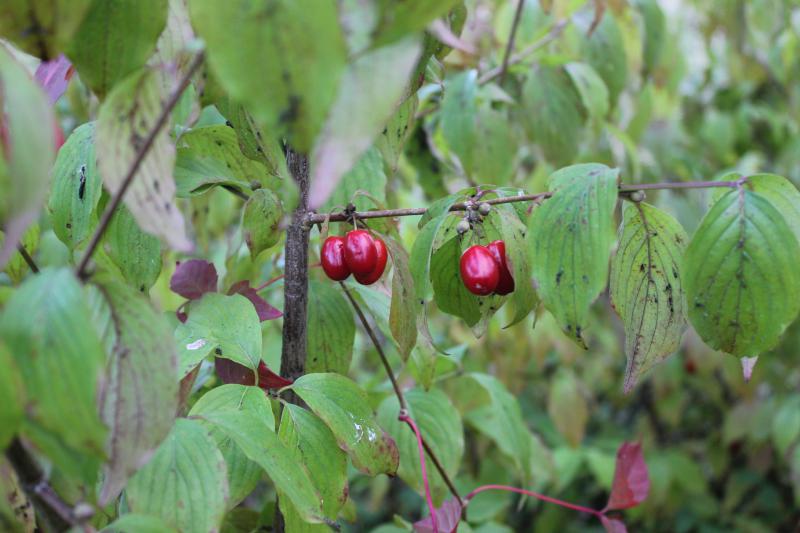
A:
[510,44]
[137,162]
[28,259]
[536,495]
[403,417]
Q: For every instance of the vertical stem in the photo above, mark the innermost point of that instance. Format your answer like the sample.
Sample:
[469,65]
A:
[511,37]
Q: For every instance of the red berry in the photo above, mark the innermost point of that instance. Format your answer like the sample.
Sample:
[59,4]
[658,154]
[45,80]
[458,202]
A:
[380,265]
[332,258]
[479,270]
[506,283]
[359,252]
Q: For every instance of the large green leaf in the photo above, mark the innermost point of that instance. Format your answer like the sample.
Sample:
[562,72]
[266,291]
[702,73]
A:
[243,474]
[77,187]
[459,107]
[440,425]
[11,396]
[116,38]
[331,329]
[138,523]
[343,406]
[184,483]
[140,397]
[741,280]
[226,325]
[26,163]
[647,288]
[553,115]
[151,195]
[47,327]
[782,194]
[302,75]
[372,88]
[404,307]
[313,445]
[55,22]
[569,241]
[422,250]
[604,50]
[261,219]
[591,88]
[259,442]
[393,138]
[567,406]
[450,294]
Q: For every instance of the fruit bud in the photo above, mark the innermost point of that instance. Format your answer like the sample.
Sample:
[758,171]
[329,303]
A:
[462,227]
[484,208]
[637,196]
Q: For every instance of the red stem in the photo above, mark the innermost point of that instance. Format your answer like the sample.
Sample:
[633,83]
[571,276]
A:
[542,497]
[407,419]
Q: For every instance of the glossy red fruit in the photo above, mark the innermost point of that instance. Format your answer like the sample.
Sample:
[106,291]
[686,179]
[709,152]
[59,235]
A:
[479,270]
[506,283]
[359,252]
[380,265]
[332,258]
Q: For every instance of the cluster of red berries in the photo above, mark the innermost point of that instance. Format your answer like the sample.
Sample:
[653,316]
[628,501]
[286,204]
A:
[484,269]
[357,253]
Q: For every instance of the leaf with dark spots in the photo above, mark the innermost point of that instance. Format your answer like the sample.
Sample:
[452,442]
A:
[193,278]
[631,479]
[447,518]
[265,311]
[54,76]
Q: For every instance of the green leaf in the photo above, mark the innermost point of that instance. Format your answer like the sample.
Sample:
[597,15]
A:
[16,511]
[404,307]
[524,298]
[77,187]
[17,267]
[301,81]
[313,445]
[397,132]
[136,254]
[138,523]
[343,406]
[331,329]
[55,21]
[459,107]
[567,407]
[372,88]
[786,425]
[25,166]
[591,88]
[495,147]
[368,176]
[782,194]
[397,19]
[228,326]
[140,397]
[115,39]
[12,396]
[261,219]
[604,50]
[47,327]
[440,425]
[259,442]
[553,113]
[420,259]
[151,195]
[740,274]
[651,247]
[655,30]
[569,240]
[243,474]
[184,483]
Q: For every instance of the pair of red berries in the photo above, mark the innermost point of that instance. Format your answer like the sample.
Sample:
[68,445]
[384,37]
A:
[484,269]
[357,253]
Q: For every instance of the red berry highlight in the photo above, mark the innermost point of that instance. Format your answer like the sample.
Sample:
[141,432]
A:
[506,283]
[380,265]
[479,270]
[332,258]
[359,252]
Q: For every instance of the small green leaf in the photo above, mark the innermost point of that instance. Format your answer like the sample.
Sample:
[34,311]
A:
[591,88]
[313,445]
[440,425]
[343,406]
[567,407]
[604,50]
[261,220]
[243,474]
[184,483]
[151,196]
[331,329]
[569,240]
[138,523]
[55,21]
[11,397]
[404,307]
[740,274]
[228,326]
[258,441]
[651,246]
[77,187]
[115,39]
[140,397]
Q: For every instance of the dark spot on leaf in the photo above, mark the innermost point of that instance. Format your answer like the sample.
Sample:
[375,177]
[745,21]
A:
[229,123]
[641,267]
[585,278]
[69,226]
[558,276]
[82,186]
[218,351]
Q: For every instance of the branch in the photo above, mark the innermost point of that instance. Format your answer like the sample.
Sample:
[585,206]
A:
[28,259]
[536,495]
[137,162]
[511,37]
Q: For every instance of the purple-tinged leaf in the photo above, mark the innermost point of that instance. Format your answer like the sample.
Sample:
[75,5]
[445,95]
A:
[232,372]
[748,364]
[54,76]
[193,278]
[265,311]
[447,518]
[631,480]
[613,525]
[267,379]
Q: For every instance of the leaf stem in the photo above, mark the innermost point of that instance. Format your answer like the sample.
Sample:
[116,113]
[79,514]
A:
[536,495]
[511,37]
[115,201]
[28,259]
[403,417]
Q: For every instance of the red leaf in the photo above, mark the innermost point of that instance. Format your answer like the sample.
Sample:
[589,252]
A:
[264,310]
[232,372]
[193,278]
[54,76]
[267,379]
[447,518]
[631,480]
[613,525]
